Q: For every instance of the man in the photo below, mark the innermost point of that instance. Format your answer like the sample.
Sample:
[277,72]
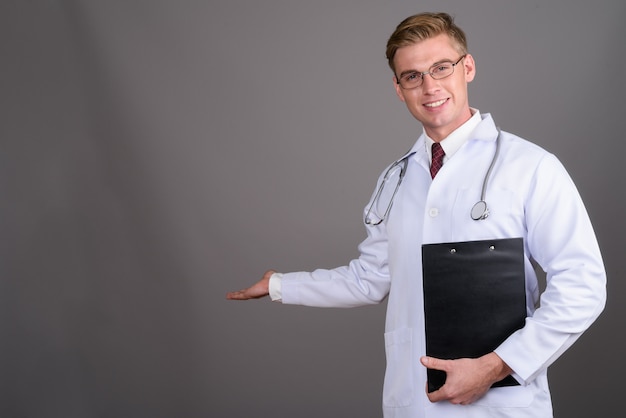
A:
[530,195]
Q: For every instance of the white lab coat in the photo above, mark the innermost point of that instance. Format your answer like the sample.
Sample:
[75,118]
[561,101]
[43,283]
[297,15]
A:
[530,195]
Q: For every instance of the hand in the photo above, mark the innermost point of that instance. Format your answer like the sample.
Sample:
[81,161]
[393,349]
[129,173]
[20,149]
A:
[256,291]
[467,380]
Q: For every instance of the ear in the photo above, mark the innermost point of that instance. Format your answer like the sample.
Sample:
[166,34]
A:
[469,67]
[399,91]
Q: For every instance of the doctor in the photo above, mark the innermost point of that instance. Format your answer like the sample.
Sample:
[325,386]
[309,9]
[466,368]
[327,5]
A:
[528,193]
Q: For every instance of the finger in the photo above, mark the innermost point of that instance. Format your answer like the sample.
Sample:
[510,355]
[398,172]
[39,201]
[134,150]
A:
[434,363]
[238,295]
[434,396]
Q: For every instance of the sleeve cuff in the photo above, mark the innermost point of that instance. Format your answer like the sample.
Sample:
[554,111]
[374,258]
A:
[275,287]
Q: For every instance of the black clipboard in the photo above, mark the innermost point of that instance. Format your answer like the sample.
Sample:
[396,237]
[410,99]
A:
[474,298]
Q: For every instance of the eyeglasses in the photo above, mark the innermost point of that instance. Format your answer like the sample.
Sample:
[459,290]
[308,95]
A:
[374,215]
[414,79]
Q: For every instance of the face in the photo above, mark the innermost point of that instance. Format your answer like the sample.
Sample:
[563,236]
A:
[440,105]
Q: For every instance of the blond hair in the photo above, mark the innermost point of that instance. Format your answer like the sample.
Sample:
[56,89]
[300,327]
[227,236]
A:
[423,26]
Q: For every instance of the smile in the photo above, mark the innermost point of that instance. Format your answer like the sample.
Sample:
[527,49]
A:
[436,104]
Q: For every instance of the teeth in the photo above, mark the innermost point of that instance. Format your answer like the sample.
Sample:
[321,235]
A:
[436,104]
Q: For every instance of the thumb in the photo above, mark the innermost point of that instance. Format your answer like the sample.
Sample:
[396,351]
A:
[433,363]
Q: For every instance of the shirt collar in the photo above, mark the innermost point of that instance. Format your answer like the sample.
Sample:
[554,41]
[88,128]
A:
[453,142]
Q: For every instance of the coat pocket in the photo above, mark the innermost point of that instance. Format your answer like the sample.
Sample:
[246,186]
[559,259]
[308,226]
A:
[399,385]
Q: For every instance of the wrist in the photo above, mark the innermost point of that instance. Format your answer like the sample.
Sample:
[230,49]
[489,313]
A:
[499,369]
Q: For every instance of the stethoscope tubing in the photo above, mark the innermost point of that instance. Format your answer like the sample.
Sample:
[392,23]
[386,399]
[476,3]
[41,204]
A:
[480,210]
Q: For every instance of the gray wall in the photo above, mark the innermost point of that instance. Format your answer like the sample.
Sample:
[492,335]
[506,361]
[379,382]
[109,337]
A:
[155,155]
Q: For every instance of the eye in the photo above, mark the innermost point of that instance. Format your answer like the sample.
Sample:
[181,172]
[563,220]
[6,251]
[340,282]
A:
[411,77]
[441,68]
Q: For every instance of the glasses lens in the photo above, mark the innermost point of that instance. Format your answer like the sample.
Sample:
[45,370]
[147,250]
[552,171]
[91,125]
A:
[442,70]
[411,80]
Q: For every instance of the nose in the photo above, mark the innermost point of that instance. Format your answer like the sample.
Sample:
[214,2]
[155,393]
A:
[429,84]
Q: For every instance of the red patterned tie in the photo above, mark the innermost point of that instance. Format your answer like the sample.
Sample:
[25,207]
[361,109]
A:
[438,155]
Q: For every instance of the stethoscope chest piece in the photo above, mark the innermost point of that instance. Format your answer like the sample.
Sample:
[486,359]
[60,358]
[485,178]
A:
[480,211]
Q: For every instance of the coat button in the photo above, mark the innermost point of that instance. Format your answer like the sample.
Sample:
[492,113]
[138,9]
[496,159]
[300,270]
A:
[433,212]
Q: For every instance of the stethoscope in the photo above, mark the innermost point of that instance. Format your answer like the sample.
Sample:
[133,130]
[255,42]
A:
[480,210]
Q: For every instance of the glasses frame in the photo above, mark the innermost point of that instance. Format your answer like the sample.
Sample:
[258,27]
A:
[403,163]
[429,72]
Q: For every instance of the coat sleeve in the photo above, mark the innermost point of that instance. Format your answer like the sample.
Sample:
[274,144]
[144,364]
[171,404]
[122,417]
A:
[561,239]
[364,281]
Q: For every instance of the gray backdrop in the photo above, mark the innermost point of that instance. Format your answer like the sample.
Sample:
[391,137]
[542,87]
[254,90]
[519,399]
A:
[157,154]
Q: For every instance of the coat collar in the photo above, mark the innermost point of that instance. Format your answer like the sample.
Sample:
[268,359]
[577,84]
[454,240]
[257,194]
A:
[486,130]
